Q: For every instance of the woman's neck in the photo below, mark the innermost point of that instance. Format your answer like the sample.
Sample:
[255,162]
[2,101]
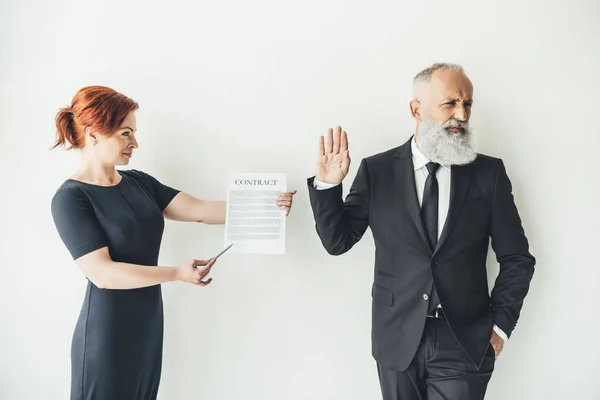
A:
[97,173]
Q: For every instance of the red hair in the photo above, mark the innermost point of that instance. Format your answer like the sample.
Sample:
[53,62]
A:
[99,107]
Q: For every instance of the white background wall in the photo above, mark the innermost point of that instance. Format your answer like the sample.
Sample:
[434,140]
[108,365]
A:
[237,86]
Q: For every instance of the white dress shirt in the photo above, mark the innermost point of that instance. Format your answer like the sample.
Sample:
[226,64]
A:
[443,176]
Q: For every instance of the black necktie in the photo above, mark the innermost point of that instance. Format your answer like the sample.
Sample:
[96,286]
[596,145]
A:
[429,213]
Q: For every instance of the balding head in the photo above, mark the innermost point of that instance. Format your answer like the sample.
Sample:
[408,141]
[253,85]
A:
[436,86]
[423,78]
[441,106]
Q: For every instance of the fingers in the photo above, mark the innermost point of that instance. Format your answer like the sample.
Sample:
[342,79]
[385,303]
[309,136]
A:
[321,146]
[204,283]
[198,270]
[201,263]
[285,205]
[286,209]
[284,201]
[337,139]
[335,144]
[329,143]
[203,274]
[497,344]
[200,274]
[210,262]
[344,143]
[205,269]
[346,161]
[287,196]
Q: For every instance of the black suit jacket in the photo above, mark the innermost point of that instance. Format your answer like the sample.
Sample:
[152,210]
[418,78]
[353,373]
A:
[383,197]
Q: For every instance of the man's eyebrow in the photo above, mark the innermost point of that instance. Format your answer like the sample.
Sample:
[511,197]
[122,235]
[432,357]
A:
[454,100]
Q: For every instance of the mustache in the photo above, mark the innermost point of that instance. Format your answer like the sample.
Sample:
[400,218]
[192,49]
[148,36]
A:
[463,126]
[455,122]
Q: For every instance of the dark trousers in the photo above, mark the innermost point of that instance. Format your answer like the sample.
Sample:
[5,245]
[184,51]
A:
[441,370]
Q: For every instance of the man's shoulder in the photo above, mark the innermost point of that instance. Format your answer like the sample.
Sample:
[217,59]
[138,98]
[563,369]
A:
[386,156]
[381,161]
[383,155]
[486,162]
[486,158]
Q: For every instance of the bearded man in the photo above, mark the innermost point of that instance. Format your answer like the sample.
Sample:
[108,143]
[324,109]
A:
[432,204]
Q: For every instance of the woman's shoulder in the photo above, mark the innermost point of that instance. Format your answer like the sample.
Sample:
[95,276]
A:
[135,174]
[69,187]
[68,194]
[140,176]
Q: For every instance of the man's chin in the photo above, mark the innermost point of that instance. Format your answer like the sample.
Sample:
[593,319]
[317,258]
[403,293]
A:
[463,160]
[452,156]
[448,145]
[467,161]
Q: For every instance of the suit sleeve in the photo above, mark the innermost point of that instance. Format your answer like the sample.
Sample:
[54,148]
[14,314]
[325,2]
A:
[512,252]
[341,224]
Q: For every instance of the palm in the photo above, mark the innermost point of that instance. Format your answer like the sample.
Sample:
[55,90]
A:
[334,157]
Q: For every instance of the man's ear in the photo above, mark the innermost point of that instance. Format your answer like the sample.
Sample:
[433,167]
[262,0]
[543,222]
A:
[415,109]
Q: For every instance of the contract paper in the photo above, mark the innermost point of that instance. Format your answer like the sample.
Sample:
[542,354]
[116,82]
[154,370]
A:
[254,223]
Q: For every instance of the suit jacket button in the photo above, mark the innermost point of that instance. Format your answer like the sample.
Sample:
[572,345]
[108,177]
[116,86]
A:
[425,297]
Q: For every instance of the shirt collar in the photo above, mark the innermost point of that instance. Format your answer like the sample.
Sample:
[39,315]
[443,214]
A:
[419,159]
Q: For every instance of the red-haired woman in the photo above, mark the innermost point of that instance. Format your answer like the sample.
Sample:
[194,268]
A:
[111,221]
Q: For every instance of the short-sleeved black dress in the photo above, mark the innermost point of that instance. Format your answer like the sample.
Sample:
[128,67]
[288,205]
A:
[117,344]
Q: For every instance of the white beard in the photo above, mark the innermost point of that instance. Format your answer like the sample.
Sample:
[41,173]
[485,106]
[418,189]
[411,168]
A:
[445,147]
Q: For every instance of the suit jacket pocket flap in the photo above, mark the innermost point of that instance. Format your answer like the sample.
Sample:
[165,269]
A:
[382,295]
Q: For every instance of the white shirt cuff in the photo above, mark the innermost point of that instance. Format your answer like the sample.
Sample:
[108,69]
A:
[500,333]
[317,184]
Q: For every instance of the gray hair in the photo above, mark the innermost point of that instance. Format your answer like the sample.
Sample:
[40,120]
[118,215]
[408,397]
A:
[425,75]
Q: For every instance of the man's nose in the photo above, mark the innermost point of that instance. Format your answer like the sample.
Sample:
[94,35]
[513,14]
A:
[461,114]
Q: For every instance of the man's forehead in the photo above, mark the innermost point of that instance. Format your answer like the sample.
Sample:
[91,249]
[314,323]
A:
[450,84]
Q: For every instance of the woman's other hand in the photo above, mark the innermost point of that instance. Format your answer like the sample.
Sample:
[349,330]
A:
[194,271]
[284,201]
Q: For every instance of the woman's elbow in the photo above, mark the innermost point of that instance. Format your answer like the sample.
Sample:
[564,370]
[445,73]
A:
[101,282]
[98,275]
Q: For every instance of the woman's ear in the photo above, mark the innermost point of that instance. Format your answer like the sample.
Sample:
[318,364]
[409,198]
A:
[93,136]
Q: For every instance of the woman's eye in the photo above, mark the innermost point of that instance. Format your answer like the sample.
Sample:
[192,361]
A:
[125,133]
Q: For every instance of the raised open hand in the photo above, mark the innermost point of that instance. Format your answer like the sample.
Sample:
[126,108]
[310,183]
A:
[334,159]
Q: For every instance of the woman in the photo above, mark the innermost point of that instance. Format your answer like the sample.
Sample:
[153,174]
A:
[112,224]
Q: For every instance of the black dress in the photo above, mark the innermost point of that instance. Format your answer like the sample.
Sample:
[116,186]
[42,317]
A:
[117,344]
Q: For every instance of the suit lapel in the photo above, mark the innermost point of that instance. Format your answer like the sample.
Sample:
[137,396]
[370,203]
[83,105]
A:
[459,185]
[405,188]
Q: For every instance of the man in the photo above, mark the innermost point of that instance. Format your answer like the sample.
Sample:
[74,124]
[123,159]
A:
[432,205]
